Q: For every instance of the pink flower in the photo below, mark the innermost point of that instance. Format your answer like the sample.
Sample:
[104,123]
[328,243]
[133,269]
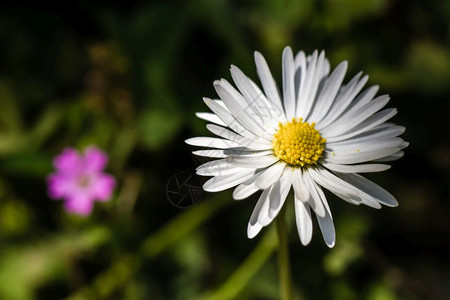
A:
[79,179]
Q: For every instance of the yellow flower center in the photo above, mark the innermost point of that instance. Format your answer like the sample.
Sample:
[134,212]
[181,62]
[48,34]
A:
[298,143]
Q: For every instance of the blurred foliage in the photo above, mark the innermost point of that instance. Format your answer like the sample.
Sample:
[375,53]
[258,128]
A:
[129,77]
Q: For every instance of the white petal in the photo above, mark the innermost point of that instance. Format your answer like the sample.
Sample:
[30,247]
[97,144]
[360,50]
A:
[253,95]
[252,161]
[368,124]
[270,175]
[229,171]
[363,99]
[383,130]
[246,152]
[247,105]
[253,226]
[325,71]
[303,221]
[210,118]
[253,230]
[219,167]
[237,97]
[223,182]
[248,187]
[300,189]
[372,189]
[215,164]
[348,147]
[346,97]
[343,189]
[253,143]
[354,117]
[239,113]
[226,134]
[335,185]
[211,142]
[243,191]
[328,93]
[322,197]
[288,83]
[317,75]
[307,80]
[279,192]
[210,153]
[380,132]
[309,89]
[227,118]
[359,157]
[321,194]
[299,78]
[392,157]
[315,200]
[327,227]
[263,217]
[267,81]
[269,109]
[366,168]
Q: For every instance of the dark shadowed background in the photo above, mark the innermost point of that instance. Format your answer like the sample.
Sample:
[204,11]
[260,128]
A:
[129,79]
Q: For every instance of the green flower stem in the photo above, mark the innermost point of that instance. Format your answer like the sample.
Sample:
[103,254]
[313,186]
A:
[283,257]
[109,281]
[120,272]
[245,272]
[181,226]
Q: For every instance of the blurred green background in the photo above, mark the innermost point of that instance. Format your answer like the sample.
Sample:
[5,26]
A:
[129,77]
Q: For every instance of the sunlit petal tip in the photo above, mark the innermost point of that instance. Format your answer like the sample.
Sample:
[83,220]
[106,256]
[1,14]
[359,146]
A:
[287,50]
[257,54]
[392,203]
[305,243]
[243,191]
[253,230]
[216,83]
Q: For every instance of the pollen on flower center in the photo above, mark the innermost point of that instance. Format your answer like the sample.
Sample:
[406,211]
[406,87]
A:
[298,143]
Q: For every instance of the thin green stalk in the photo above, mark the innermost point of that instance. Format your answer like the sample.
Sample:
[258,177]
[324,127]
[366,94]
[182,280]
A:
[181,226]
[247,270]
[283,257]
[120,271]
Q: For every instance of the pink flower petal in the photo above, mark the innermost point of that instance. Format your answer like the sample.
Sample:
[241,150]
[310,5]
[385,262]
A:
[59,186]
[103,186]
[68,161]
[80,180]
[80,205]
[95,159]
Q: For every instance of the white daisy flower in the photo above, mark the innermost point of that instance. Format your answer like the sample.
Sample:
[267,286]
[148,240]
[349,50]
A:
[319,134]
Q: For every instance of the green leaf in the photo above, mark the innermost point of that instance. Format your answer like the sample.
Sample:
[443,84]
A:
[28,163]
[381,291]
[158,127]
[24,268]
[11,142]
[46,125]
[9,110]
[14,218]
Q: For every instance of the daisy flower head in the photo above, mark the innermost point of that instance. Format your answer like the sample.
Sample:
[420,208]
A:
[319,133]
[79,179]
